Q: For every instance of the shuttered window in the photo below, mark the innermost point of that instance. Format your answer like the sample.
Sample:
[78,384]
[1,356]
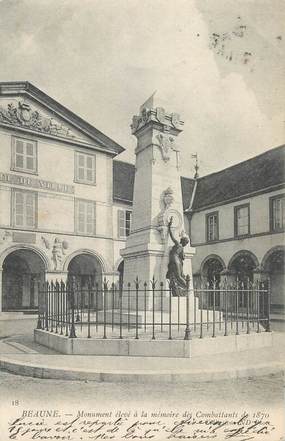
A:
[212,226]
[242,223]
[85,168]
[24,209]
[85,217]
[277,213]
[24,155]
[124,223]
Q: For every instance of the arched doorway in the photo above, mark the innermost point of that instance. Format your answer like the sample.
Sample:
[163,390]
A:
[85,268]
[211,269]
[211,273]
[242,266]
[273,264]
[23,269]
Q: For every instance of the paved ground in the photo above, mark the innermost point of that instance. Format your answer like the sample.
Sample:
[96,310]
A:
[252,395]
[253,392]
[20,354]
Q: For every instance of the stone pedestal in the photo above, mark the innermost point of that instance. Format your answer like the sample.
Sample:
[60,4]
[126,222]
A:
[157,198]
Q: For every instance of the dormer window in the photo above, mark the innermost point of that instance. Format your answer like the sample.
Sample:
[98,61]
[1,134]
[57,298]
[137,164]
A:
[24,155]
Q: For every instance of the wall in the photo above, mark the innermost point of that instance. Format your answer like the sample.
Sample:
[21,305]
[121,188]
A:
[56,209]
[228,245]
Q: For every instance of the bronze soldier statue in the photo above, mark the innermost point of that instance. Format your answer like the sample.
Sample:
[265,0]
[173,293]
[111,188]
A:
[175,265]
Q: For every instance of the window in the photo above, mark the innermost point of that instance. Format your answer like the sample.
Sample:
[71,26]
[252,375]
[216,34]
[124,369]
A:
[124,223]
[277,213]
[242,223]
[24,208]
[85,216]
[212,226]
[24,155]
[84,168]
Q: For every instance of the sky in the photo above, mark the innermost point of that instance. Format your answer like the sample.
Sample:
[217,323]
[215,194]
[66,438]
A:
[219,64]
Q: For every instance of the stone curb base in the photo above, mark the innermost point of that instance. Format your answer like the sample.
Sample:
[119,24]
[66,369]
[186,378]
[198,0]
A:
[137,376]
[154,348]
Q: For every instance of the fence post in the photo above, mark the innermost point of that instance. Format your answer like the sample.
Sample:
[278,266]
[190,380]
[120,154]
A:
[225,287]
[187,335]
[89,306]
[170,308]
[40,306]
[249,288]
[161,306]
[72,333]
[258,306]
[113,304]
[268,327]
[238,295]
[97,303]
[62,307]
[214,308]
[129,296]
[137,307]
[121,288]
[153,283]
[46,304]
[105,291]
[145,288]
[57,306]
[52,305]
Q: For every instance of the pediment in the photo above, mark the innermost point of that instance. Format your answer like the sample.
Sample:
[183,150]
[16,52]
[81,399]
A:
[25,106]
[23,113]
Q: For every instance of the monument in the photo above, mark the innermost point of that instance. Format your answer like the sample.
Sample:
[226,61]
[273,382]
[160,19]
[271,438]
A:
[157,197]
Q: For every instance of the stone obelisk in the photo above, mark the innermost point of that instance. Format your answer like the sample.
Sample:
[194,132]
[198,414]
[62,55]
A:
[157,195]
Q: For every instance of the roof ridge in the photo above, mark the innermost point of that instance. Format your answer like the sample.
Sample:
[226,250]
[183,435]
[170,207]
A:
[242,162]
[124,162]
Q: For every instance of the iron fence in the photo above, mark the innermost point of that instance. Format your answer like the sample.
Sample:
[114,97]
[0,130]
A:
[152,311]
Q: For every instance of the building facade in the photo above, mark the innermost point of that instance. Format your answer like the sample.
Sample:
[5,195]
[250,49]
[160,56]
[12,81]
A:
[66,206]
[237,219]
[57,214]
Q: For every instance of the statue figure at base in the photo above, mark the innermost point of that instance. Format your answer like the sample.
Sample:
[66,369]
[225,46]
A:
[175,266]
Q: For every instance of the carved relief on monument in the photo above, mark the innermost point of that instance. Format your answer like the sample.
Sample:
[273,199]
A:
[158,115]
[24,115]
[166,144]
[168,197]
[166,213]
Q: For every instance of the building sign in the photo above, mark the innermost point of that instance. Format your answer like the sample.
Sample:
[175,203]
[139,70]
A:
[24,237]
[28,181]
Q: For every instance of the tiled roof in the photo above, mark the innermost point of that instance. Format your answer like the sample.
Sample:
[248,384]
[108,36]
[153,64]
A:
[187,185]
[123,184]
[255,174]
[262,171]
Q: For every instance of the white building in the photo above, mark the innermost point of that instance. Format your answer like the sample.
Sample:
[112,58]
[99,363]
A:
[237,221]
[65,205]
[57,213]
